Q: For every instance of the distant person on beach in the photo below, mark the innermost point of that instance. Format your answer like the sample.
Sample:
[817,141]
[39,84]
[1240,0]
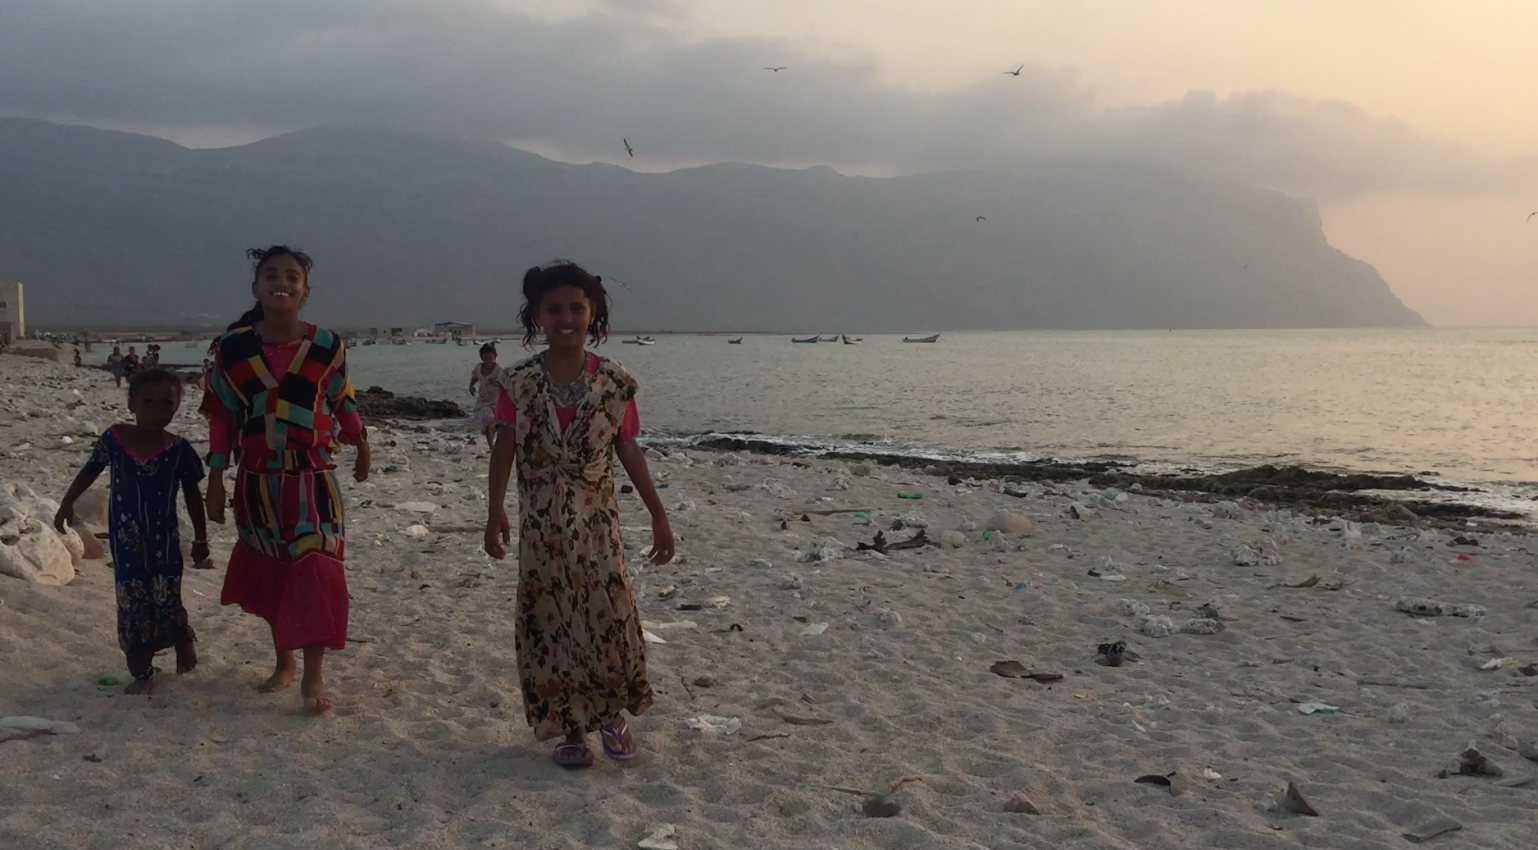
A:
[78,361]
[206,384]
[130,362]
[287,566]
[115,363]
[150,466]
[485,417]
[562,417]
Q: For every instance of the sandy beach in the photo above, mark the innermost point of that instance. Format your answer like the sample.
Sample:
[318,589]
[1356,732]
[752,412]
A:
[816,670]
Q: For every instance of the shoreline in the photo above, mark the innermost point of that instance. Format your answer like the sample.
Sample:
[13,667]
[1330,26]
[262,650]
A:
[1359,496]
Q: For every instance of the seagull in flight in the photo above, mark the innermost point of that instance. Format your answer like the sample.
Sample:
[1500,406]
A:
[982,218]
[776,70]
[1016,72]
[1530,215]
[628,149]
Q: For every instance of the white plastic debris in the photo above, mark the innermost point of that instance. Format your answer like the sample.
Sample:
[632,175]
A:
[1318,708]
[416,531]
[417,507]
[710,724]
[25,726]
[660,838]
[651,637]
[814,629]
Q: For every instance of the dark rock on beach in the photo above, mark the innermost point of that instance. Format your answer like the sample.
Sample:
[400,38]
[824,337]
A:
[379,403]
[1353,496]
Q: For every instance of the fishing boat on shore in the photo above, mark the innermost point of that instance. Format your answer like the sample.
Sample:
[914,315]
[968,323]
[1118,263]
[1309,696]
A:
[640,340]
[737,341]
[808,339]
[934,338]
[851,341]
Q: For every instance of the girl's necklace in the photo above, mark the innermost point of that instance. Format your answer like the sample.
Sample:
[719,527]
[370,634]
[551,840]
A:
[568,394]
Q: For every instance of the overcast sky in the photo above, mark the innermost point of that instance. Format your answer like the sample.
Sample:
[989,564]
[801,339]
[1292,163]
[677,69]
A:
[1412,121]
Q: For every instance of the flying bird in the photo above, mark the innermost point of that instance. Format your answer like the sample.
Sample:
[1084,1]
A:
[628,149]
[1530,215]
[621,283]
[776,70]
[1016,72]
[982,218]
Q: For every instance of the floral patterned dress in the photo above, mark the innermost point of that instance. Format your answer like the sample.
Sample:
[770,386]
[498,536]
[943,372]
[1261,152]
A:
[146,539]
[581,659]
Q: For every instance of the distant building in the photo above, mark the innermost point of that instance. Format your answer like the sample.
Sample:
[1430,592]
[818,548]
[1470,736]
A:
[13,319]
[454,329]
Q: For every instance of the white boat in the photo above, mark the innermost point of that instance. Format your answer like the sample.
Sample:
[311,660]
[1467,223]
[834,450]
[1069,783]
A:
[853,341]
[737,341]
[935,338]
[640,340]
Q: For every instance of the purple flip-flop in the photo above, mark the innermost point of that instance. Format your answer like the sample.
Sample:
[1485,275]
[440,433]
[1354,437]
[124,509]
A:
[614,745]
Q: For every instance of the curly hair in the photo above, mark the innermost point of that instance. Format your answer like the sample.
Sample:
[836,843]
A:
[539,281]
[259,258]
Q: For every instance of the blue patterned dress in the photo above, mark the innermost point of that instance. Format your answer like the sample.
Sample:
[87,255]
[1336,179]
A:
[146,540]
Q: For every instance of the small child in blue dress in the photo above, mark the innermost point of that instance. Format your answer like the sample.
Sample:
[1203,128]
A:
[149,466]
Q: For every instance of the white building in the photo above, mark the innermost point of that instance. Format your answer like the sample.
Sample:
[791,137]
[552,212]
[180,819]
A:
[13,319]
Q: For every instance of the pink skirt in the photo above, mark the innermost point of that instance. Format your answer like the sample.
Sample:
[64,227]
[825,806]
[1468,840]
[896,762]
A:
[304,601]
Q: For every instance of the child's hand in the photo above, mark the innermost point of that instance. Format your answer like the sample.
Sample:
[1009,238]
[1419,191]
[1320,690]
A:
[214,500]
[662,541]
[360,467]
[199,551]
[499,532]
[65,515]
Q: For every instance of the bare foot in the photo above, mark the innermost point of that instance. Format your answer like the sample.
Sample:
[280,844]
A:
[141,686]
[186,658]
[281,678]
[315,700]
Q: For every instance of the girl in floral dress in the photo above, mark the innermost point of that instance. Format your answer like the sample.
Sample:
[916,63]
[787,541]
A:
[281,398]
[150,468]
[485,417]
[563,416]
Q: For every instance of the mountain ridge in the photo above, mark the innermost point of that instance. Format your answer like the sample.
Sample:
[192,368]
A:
[411,229]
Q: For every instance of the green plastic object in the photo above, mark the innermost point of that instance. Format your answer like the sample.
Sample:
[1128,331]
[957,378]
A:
[859,515]
[112,680]
[910,495]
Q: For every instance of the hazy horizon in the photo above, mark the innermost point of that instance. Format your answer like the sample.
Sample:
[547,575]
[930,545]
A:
[1408,124]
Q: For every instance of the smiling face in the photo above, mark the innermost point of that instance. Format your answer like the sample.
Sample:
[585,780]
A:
[488,357]
[281,286]
[565,313]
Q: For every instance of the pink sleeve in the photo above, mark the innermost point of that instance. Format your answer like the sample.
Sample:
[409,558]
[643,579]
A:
[349,426]
[221,432]
[505,414]
[630,426]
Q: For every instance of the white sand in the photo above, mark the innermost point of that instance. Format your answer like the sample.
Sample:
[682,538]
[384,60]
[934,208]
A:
[428,747]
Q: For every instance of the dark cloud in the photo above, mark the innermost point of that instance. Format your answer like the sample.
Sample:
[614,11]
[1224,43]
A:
[469,67]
